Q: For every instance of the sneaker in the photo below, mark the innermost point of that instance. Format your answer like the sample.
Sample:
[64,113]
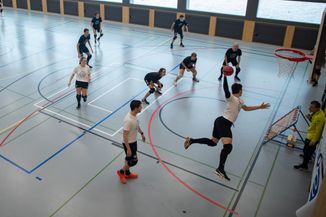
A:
[181,45]
[237,78]
[171,46]
[315,83]
[187,143]
[300,166]
[145,101]
[78,106]
[132,176]
[195,79]
[84,99]
[122,177]
[158,92]
[221,173]
[220,78]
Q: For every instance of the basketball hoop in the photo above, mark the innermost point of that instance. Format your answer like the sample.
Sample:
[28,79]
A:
[288,60]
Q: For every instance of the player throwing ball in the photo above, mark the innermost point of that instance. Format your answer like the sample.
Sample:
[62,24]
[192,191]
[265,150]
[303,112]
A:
[152,80]
[223,124]
[189,64]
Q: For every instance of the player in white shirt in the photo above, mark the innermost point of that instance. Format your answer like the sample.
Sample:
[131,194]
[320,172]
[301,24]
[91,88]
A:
[130,129]
[83,78]
[223,124]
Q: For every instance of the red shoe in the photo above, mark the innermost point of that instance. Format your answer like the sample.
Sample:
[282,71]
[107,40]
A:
[132,176]
[122,177]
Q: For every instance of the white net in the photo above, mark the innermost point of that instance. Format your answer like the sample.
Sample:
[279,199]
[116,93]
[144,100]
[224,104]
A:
[286,67]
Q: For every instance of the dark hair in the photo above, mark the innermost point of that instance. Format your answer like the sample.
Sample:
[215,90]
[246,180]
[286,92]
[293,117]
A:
[194,54]
[161,70]
[236,88]
[86,30]
[134,104]
[315,103]
[96,13]
[181,16]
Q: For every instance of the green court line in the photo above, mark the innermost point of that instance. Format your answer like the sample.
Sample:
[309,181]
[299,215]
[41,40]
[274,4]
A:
[87,183]
[269,176]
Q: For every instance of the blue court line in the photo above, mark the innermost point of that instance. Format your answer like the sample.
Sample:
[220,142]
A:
[71,142]
[77,138]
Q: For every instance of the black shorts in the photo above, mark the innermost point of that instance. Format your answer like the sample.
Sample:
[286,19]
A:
[81,84]
[133,147]
[233,62]
[83,49]
[182,67]
[222,128]
[97,28]
[178,32]
[149,81]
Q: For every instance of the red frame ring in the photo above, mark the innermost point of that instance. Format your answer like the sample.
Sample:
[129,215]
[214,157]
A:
[293,59]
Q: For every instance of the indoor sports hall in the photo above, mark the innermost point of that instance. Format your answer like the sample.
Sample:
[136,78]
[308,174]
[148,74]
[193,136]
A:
[60,160]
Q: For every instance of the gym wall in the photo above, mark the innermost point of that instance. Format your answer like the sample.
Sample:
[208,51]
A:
[248,28]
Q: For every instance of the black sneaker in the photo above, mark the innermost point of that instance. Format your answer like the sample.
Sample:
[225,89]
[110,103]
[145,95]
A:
[85,99]
[181,45]
[315,83]
[171,46]
[195,79]
[78,106]
[237,78]
[300,166]
[220,78]
[221,173]
[145,101]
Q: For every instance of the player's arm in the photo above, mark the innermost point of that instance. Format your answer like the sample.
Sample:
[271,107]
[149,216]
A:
[186,27]
[72,76]
[89,76]
[78,51]
[126,142]
[142,134]
[252,108]
[226,88]
[239,59]
[90,46]
[226,60]
[172,26]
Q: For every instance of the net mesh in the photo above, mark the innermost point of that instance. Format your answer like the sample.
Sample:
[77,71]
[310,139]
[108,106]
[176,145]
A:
[286,67]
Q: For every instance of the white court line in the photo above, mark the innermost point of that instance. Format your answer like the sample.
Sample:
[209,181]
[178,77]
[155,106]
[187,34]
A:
[110,90]
[100,108]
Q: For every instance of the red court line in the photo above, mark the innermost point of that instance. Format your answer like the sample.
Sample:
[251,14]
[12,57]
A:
[31,114]
[168,169]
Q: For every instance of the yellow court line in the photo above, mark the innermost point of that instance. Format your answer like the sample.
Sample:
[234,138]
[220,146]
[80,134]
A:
[10,126]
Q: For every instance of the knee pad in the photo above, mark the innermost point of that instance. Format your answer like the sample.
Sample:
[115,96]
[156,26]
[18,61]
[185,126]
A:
[228,148]
[175,37]
[152,90]
[237,70]
[161,85]
[89,56]
[132,161]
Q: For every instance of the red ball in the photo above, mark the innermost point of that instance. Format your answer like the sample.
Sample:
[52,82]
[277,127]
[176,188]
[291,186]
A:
[227,70]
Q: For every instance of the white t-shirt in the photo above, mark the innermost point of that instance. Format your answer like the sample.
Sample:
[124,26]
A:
[82,73]
[232,108]
[131,124]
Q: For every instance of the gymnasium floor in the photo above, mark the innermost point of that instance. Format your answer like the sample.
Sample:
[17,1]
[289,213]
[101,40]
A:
[63,162]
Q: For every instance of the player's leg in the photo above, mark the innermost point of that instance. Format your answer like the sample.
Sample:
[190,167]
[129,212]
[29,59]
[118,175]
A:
[101,33]
[173,39]
[227,148]
[95,35]
[78,94]
[194,75]
[84,93]
[181,39]
[237,70]
[159,87]
[89,57]
[180,75]
[151,91]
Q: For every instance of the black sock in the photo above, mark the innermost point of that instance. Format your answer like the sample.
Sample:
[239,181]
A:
[88,58]
[206,141]
[127,172]
[221,72]
[224,154]
[78,97]
[85,98]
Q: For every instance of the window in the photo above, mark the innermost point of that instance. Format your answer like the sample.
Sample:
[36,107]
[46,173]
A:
[295,11]
[157,3]
[232,7]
